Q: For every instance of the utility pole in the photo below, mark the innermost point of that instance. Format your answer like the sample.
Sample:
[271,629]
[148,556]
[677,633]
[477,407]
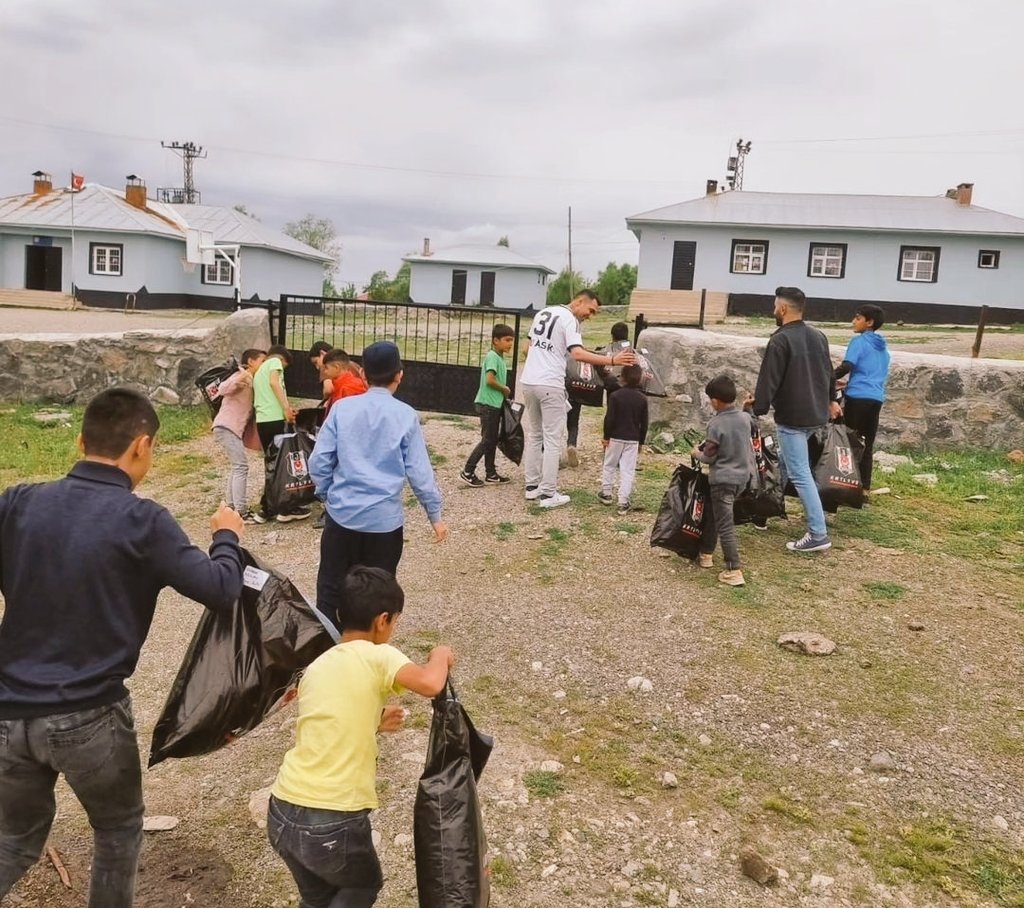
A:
[188,194]
[734,167]
[570,255]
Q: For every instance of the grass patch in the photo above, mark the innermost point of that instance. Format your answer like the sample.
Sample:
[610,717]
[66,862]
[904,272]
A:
[885,589]
[556,543]
[435,458]
[543,784]
[630,529]
[503,873]
[788,808]
[505,530]
[422,641]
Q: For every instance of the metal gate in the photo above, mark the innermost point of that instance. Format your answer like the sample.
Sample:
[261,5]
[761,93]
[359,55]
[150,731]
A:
[442,346]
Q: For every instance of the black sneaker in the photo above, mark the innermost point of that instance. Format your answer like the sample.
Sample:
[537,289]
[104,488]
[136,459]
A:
[605,498]
[253,517]
[808,543]
[471,479]
[297,514]
[496,479]
[623,509]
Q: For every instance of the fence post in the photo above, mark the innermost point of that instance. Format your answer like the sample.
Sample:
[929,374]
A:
[639,323]
[703,303]
[282,320]
[982,317]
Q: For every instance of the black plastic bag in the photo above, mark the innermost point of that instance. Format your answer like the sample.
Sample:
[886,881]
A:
[763,497]
[239,664]
[511,439]
[684,512]
[585,383]
[288,483]
[837,472]
[210,381]
[451,847]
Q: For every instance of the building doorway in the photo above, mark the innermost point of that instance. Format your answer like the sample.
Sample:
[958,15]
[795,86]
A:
[44,268]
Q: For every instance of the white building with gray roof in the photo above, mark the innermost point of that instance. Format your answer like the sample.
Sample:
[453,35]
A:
[923,259]
[121,247]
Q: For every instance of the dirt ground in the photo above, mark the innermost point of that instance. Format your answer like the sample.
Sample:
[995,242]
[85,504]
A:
[552,614]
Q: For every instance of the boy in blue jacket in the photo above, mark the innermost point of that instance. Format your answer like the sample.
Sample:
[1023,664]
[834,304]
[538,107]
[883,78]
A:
[867,363]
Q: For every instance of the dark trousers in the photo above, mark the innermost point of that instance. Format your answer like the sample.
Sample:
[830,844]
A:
[266,432]
[341,550]
[720,527]
[97,751]
[330,854]
[572,423]
[861,415]
[490,423]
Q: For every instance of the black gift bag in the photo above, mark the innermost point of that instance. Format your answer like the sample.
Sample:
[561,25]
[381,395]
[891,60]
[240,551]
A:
[288,483]
[451,847]
[837,472]
[511,440]
[763,497]
[239,664]
[210,381]
[684,512]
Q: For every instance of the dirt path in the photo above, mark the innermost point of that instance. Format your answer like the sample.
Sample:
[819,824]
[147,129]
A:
[552,614]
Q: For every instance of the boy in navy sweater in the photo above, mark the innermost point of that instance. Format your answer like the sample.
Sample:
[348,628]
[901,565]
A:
[82,561]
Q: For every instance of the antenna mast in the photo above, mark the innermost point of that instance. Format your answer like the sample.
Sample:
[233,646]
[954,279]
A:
[188,194]
[734,167]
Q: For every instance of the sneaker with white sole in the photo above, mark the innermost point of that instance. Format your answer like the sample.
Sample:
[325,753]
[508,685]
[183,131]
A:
[808,543]
[572,457]
[298,514]
[496,479]
[705,561]
[623,509]
[605,497]
[253,517]
[553,501]
[471,479]
[532,493]
[732,578]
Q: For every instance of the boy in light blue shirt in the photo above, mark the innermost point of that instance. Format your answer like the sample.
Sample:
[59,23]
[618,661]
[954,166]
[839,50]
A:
[366,450]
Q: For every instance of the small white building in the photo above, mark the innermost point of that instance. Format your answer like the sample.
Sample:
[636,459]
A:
[477,276]
[922,258]
[118,247]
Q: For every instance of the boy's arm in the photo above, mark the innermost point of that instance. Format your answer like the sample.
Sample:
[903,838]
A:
[707,450]
[277,387]
[421,477]
[492,382]
[234,383]
[324,459]
[427,680]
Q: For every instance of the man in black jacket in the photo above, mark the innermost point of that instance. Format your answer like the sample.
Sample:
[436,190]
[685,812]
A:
[82,561]
[796,380]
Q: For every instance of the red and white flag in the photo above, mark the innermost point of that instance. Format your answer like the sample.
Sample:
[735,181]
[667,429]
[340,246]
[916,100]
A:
[77,181]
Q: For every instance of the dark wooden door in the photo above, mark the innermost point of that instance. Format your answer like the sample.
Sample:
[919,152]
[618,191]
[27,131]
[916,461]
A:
[684,260]
[43,268]
[458,287]
[487,288]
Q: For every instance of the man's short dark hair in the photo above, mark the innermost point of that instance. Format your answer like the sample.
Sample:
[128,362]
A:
[114,419]
[589,294]
[875,313]
[369,592]
[722,388]
[336,355]
[249,355]
[500,330]
[318,348]
[282,351]
[620,331]
[792,295]
[632,376]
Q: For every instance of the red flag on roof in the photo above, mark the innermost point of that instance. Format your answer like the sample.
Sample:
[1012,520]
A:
[77,181]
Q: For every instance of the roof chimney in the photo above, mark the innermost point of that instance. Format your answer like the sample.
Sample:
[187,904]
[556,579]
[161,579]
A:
[426,245]
[42,183]
[135,191]
[964,191]
[711,188]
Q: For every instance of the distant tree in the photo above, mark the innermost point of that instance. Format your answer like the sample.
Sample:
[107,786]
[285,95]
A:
[558,289]
[615,284]
[348,291]
[321,234]
[241,209]
[387,289]
[503,241]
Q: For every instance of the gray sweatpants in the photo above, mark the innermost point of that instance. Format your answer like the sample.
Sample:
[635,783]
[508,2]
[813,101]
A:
[236,493]
[544,427]
[620,455]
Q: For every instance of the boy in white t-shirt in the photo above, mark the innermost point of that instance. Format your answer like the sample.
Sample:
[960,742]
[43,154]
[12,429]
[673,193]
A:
[554,336]
[319,814]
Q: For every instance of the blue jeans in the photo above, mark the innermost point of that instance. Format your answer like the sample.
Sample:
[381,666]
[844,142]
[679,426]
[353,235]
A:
[97,751]
[330,854]
[795,465]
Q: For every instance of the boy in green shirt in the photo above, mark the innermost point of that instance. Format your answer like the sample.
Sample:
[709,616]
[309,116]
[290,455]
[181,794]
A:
[489,399]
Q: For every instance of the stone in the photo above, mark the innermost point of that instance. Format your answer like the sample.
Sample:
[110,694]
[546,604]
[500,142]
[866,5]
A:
[665,438]
[705,740]
[882,762]
[403,839]
[1000,823]
[915,625]
[808,643]
[166,396]
[48,419]
[551,766]
[926,479]
[559,695]
[548,871]
[820,881]
[1003,477]
[756,867]
[259,801]
[159,824]
[1015,456]
[673,898]
[641,684]
[669,780]
[885,459]
[536,666]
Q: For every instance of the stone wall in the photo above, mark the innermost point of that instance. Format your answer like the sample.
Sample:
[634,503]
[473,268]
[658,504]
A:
[70,368]
[938,402]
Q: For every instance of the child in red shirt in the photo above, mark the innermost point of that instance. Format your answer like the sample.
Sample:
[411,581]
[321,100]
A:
[343,375]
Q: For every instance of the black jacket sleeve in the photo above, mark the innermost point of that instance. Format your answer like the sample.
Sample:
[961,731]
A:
[773,370]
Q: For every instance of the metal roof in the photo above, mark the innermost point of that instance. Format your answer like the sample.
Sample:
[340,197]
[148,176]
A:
[920,214]
[104,209]
[493,256]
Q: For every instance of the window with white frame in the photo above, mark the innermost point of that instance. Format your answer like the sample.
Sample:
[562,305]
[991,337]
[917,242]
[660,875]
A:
[105,258]
[749,257]
[827,260]
[919,264]
[220,272]
[988,258]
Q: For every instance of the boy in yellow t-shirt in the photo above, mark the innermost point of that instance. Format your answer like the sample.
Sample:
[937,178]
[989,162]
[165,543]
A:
[319,815]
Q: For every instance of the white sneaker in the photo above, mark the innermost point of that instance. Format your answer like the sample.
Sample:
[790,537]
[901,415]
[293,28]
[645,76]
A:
[554,501]
[533,494]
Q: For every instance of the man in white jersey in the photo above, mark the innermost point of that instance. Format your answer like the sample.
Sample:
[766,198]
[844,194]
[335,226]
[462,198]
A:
[554,336]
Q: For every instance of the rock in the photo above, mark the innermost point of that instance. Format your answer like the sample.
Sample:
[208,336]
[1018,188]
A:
[1016,456]
[756,867]
[1003,477]
[536,666]
[551,766]
[631,869]
[258,803]
[548,871]
[925,479]
[271,538]
[976,498]
[165,395]
[673,898]
[820,881]
[808,643]
[52,418]
[885,490]
[163,824]
[705,740]
[882,762]
[885,459]
[915,625]
[559,695]
[669,780]
[1000,824]
[641,684]
[665,438]
[403,839]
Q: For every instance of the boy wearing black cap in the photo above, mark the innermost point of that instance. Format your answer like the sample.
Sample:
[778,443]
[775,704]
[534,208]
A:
[364,453]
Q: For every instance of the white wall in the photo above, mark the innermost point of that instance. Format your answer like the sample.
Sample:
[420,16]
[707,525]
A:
[871,265]
[514,288]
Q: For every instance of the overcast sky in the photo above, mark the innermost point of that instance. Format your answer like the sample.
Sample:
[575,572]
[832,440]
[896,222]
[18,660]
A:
[464,120]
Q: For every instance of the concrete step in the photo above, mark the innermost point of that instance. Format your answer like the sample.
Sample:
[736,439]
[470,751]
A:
[36,299]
